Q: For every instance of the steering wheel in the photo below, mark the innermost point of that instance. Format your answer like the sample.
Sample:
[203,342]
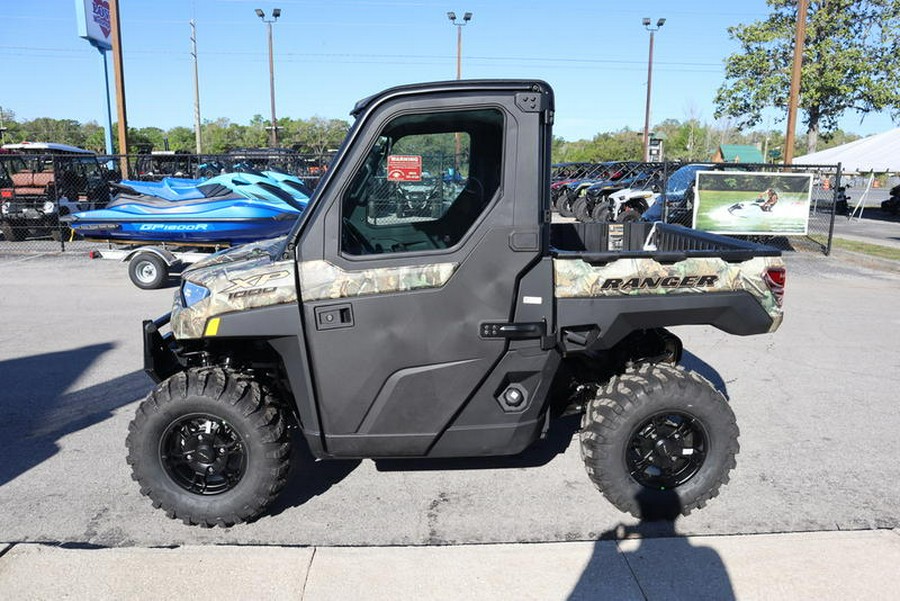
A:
[352,239]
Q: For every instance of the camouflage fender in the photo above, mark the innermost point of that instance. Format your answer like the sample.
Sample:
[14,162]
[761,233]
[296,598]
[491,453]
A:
[320,280]
[575,278]
[234,287]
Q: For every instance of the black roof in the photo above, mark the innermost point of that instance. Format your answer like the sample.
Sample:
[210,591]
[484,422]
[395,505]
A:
[467,85]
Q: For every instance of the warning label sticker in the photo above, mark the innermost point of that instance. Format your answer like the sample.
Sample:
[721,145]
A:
[404,168]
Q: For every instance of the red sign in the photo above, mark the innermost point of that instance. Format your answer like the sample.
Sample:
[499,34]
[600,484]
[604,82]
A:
[404,168]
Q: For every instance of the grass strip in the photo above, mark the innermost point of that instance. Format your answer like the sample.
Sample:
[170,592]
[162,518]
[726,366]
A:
[874,250]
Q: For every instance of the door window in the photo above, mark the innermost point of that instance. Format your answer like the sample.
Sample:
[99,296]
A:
[424,183]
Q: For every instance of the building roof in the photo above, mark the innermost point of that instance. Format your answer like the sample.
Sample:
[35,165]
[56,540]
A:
[879,153]
[741,153]
[45,147]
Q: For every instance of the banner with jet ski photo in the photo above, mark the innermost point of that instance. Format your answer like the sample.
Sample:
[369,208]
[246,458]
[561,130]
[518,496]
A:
[740,202]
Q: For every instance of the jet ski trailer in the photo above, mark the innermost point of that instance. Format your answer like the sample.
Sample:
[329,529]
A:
[153,266]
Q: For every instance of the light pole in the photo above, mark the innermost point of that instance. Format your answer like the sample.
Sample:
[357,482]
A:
[652,30]
[276,12]
[466,18]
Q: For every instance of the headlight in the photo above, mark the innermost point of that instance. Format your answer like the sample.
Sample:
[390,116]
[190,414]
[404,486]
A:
[49,207]
[191,293]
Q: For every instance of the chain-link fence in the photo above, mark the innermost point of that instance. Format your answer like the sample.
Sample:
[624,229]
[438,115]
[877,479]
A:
[745,194]
[38,191]
[609,191]
[425,195]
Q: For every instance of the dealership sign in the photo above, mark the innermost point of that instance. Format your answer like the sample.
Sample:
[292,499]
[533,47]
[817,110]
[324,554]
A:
[94,22]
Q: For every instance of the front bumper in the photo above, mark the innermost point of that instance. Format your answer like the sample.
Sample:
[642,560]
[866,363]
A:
[26,213]
[161,358]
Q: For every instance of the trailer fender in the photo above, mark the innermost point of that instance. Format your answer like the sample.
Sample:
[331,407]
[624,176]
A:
[164,254]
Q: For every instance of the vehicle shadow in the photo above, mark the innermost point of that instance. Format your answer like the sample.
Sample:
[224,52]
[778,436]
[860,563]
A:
[694,363]
[664,564]
[542,452]
[37,411]
[309,478]
[874,214]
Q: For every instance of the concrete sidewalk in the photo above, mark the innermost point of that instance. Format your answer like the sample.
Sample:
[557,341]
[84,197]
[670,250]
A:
[820,566]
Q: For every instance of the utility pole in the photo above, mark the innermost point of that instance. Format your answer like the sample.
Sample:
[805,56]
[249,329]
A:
[197,136]
[119,74]
[794,98]
[652,30]
[276,12]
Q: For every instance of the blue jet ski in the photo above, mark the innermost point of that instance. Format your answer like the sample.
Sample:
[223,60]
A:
[231,210]
[176,188]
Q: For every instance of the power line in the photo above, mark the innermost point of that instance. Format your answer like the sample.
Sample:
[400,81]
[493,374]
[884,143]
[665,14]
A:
[370,58]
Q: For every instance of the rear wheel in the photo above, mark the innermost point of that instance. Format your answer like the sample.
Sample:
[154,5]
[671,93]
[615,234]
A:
[61,232]
[13,231]
[658,441]
[148,271]
[580,209]
[600,214]
[564,205]
[628,215]
[209,447]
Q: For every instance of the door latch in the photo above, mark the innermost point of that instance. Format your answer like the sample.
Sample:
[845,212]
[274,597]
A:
[331,317]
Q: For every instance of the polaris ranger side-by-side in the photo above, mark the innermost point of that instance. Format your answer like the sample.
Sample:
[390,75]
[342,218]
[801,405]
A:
[458,334]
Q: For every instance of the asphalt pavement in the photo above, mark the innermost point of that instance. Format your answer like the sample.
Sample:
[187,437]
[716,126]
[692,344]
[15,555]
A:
[815,401]
[874,227]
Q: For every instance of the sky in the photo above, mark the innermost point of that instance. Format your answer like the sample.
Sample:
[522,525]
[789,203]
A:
[330,53]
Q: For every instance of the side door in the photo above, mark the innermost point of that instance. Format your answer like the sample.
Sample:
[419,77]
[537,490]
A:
[417,256]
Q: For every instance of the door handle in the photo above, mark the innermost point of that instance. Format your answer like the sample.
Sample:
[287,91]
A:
[332,317]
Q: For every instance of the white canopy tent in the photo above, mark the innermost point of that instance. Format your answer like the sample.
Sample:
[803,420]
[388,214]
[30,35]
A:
[879,153]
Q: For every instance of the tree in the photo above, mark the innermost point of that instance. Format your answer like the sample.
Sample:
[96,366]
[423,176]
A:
[94,138]
[851,61]
[182,138]
[152,138]
[316,135]
[622,145]
[61,131]
[10,128]
[222,135]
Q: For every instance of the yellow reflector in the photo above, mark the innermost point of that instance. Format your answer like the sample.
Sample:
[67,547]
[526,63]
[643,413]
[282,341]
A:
[212,327]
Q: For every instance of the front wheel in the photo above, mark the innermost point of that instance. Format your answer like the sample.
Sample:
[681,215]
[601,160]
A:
[209,447]
[659,441]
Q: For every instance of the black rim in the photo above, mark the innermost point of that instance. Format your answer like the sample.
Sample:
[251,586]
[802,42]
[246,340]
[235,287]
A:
[203,454]
[666,450]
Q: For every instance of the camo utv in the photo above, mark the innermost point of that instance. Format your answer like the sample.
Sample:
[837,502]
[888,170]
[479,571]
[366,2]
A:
[459,334]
